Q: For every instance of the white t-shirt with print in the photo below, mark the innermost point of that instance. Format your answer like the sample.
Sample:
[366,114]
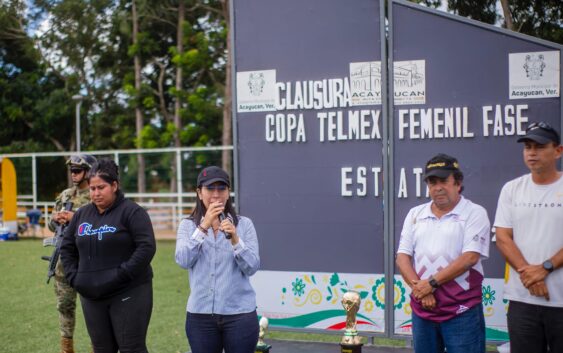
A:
[535,214]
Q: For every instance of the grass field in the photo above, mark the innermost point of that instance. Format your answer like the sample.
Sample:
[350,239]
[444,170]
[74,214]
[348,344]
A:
[28,315]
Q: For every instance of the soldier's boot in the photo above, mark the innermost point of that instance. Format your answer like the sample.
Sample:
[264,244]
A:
[67,345]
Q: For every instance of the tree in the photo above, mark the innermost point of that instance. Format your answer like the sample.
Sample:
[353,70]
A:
[538,18]
[139,123]
[33,108]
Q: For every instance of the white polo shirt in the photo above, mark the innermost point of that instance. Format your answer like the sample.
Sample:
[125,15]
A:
[435,242]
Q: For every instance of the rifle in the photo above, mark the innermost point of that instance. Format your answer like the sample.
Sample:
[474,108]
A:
[56,242]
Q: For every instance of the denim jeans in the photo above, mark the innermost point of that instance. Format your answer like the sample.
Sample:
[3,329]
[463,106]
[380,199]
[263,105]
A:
[464,333]
[211,333]
[532,328]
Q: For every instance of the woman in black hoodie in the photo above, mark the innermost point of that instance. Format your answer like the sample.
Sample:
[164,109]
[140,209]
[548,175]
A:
[106,253]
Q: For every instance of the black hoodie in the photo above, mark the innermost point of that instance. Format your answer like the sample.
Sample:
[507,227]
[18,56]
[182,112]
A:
[107,253]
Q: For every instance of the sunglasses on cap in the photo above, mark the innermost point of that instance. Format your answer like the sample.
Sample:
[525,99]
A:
[540,125]
[220,187]
[76,170]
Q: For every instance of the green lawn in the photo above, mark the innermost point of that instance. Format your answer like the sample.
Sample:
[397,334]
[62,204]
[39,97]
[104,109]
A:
[28,316]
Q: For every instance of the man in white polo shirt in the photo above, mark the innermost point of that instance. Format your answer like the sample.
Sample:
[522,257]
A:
[529,229]
[442,244]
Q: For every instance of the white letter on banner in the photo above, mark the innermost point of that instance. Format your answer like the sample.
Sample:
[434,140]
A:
[345,181]
[376,171]
[331,126]
[269,127]
[438,122]
[402,185]
[300,129]
[291,125]
[361,176]
[375,134]
[497,128]
[353,125]
[414,122]
[509,120]
[402,124]
[486,121]
[340,136]
[280,102]
[426,130]
[322,117]
[417,173]
[466,132]
[280,128]
[522,120]
[364,124]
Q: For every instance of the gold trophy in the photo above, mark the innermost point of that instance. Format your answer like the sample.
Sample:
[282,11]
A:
[351,342]
[261,346]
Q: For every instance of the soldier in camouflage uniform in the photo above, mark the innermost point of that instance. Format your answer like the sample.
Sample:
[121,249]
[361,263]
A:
[79,195]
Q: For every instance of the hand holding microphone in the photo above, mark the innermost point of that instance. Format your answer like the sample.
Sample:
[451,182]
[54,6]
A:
[221,219]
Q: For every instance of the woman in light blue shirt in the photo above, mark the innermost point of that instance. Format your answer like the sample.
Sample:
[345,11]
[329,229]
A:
[220,251]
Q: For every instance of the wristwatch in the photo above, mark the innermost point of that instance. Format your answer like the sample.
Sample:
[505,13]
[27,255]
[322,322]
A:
[432,281]
[548,266]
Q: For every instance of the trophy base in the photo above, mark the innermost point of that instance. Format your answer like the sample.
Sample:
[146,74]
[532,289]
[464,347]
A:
[351,348]
[263,349]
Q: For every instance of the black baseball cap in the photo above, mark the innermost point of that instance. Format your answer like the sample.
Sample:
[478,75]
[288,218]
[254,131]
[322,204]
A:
[441,166]
[213,174]
[541,133]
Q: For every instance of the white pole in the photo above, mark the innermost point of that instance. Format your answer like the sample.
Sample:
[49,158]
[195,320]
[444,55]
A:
[78,98]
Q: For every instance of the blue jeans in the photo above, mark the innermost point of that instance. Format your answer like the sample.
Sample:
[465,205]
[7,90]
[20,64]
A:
[211,333]
[462,334]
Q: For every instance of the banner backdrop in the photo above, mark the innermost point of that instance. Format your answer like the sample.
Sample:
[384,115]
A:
[467,90]
[309,125]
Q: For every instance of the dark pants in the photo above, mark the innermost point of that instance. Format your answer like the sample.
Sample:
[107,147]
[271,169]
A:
[211,333]
[534,328]
[464,333]
[120,322]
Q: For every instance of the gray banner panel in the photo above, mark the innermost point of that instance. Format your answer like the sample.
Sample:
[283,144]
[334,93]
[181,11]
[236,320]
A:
[292,190]
[466,66]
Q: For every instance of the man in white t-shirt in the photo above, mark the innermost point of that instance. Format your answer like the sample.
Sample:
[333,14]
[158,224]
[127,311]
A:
[529,230]
[439,256]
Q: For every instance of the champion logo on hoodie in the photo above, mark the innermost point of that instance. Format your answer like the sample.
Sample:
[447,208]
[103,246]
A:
[86,229]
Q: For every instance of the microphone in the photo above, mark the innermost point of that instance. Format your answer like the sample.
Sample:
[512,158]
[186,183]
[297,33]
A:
[221,218]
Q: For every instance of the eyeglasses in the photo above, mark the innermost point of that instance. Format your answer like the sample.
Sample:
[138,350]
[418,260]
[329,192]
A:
[211,188]
[76,170]
[540,125]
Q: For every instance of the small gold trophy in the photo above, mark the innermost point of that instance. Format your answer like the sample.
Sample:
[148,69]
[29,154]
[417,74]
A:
[261,346]
[351,342]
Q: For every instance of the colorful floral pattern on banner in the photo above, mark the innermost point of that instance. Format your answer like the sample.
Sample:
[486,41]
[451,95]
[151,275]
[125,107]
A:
[313,301]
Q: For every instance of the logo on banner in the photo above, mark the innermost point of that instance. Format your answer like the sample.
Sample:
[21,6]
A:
[409,81]
[534,66]
[256,83]
[534,75]
[256,91]
[365,83]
